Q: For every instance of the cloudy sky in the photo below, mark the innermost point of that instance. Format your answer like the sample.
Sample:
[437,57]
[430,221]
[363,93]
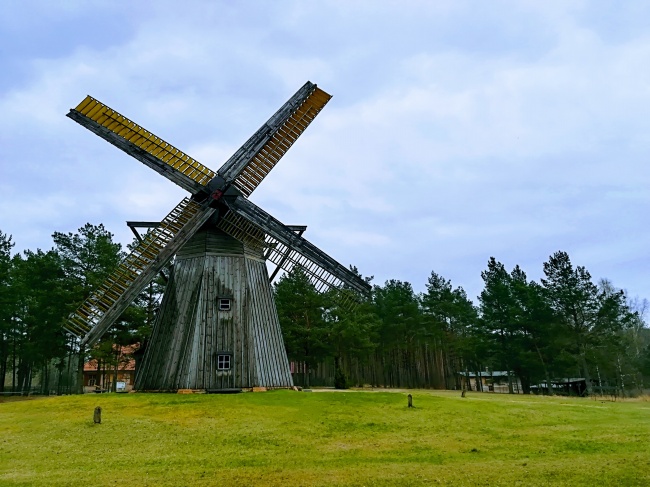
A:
[457,130]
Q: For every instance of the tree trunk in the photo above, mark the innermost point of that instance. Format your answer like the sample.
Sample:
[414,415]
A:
[549,385]
[585,371]
[25,377]
[45,381]
[80,371]
[117,364]
[510,386]
[58,381]
[3,369]
[13,363]
[620,375]
[69,374]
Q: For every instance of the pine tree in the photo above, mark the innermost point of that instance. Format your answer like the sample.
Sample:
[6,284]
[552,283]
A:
[300,310]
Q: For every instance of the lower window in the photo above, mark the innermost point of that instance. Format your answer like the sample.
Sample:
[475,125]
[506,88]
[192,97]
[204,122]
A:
[223,361]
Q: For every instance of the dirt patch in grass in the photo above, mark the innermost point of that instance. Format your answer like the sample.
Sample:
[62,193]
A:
[18,398]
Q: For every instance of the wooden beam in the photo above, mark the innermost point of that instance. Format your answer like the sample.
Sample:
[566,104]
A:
[263,150]
[141,155]
[276,229]
[133,225]
[299,229]
[140,282]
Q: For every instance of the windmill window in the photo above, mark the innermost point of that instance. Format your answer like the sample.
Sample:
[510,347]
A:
[224,304]
[223,361]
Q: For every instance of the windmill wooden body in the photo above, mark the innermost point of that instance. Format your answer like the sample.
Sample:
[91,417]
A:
[217,327]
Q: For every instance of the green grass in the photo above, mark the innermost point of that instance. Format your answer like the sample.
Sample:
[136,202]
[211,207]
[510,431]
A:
[337,438]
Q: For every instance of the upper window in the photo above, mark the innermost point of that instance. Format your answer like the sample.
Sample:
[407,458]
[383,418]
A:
[224,304]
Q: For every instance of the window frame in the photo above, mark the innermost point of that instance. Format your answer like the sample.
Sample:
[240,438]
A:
[224,300]
[227,357]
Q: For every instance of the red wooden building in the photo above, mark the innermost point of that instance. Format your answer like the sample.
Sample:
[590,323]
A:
[116,374]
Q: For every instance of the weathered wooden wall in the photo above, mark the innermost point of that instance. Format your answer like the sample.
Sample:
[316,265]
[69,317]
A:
[190,330]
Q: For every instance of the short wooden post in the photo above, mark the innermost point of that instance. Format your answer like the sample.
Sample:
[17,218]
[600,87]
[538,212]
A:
[410,398]
[97,417]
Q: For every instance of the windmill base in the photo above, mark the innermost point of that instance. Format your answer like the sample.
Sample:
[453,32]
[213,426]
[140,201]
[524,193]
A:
[217,327]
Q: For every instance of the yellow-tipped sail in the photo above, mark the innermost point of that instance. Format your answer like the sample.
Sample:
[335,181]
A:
[273,150]
[143,139]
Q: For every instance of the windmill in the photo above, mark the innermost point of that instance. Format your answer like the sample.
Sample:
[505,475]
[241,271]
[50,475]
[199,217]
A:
[217,327]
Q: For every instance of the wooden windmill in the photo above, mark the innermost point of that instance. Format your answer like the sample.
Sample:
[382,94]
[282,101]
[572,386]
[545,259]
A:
[217,327]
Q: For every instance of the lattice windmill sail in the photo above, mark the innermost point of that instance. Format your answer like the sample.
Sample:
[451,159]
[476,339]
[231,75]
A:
[217,327]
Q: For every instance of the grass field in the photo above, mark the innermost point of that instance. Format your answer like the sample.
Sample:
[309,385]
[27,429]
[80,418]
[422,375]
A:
[334,438]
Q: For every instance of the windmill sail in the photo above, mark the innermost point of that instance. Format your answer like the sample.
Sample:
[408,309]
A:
[101,309]
[245,169]
[255,159]
[138,142]
[252,225]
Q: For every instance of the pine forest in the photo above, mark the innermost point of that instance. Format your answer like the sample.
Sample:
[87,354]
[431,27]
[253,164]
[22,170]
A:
[565,326]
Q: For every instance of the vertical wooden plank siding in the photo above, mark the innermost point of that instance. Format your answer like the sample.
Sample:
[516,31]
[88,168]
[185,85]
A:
[272,357]
[190,329]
